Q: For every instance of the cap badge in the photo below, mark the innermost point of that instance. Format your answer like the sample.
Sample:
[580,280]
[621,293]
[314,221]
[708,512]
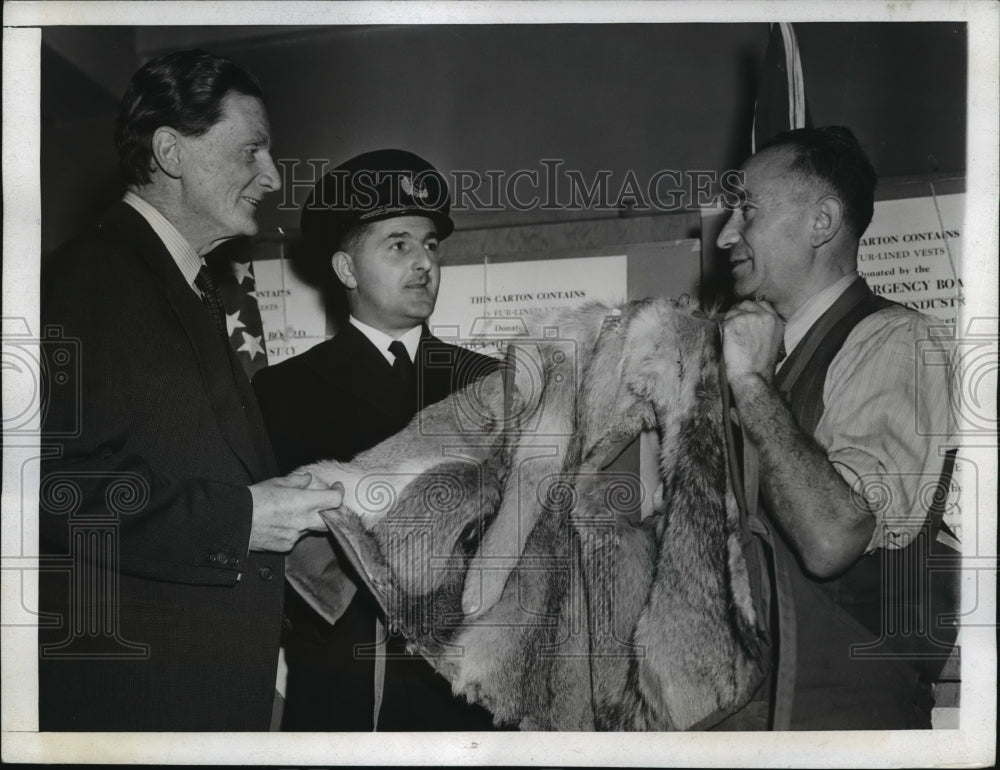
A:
[414,191]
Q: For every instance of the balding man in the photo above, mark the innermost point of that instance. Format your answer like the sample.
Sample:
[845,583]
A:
[851,433]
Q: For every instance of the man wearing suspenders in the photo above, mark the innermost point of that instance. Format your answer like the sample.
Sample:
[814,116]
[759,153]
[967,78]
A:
[850,434]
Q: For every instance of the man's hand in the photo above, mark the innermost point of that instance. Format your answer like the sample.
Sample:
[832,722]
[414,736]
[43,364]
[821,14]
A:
[751,336]
[285,508]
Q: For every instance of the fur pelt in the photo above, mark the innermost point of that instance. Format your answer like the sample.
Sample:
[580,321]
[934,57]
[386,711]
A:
[519,568]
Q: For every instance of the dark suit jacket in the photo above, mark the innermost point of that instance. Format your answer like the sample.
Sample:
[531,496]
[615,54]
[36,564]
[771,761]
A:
[335,400]
[158,441]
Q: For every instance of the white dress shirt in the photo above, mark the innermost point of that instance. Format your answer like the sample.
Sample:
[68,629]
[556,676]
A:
[382,341]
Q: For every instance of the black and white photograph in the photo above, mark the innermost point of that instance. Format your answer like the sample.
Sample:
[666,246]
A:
[415,383]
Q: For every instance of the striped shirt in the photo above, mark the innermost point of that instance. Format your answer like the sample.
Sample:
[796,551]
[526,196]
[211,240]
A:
[184,255]
[888,411]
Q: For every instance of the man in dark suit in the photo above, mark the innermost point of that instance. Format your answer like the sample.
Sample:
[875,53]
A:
[379,219]
[162,582]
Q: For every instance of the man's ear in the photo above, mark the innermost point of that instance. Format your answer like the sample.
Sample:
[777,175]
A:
[828,220]
[167,151]
[343,267]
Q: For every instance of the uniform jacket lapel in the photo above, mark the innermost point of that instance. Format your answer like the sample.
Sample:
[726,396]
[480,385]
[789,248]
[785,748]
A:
[352,361]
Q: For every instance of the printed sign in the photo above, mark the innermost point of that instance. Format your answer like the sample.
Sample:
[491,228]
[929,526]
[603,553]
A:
[480,302]
[912,253]
[292,312]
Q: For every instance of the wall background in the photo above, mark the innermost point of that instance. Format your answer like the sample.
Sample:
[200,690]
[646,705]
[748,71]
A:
[621,97]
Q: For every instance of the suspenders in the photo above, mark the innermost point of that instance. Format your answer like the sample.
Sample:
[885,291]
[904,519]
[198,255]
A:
[801,382]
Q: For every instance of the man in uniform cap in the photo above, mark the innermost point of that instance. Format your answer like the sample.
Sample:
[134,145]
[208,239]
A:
[378,219]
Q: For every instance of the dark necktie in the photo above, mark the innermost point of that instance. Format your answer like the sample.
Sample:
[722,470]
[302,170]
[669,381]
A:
[402,366]
[213,301]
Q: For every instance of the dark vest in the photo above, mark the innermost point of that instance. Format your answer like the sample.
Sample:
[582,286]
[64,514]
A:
[869,642]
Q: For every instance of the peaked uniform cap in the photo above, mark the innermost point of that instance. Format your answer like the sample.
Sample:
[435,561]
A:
[370,187]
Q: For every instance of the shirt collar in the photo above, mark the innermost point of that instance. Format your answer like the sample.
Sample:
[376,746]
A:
[185,257]
[381,340]
[810,311]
